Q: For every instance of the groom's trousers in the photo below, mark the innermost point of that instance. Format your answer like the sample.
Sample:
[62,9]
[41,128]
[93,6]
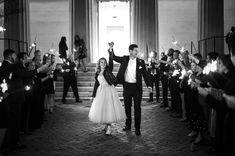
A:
[130,91]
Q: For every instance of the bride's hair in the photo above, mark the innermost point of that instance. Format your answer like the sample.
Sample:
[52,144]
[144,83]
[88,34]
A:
[98,68]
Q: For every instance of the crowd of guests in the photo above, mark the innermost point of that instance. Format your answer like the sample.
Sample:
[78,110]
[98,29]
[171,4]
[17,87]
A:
[29,95]
[201,94]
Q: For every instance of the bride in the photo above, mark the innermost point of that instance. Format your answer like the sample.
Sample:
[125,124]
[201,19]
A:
[106,108]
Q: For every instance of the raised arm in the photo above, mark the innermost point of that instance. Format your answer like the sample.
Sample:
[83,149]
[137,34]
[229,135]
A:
[110,61]
[114,57]
[145,74]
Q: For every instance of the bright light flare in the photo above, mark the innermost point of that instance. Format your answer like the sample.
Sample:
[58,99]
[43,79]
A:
[175,42]
[2,29]
[27,88]
[175,72]
[182,49]
[4,86]
[183,72]
[210,67]
[151,55]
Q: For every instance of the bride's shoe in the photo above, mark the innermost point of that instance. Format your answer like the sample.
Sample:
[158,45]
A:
[105,128]
[108,131]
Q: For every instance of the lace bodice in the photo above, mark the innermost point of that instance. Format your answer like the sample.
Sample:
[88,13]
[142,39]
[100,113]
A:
[102,80]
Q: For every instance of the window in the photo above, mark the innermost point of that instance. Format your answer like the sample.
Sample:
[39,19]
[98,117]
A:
[113,25]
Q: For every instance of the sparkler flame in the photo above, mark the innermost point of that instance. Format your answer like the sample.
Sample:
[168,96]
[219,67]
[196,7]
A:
[183,72]
[2,29]
[27,88]
[175,43]
[175,72]
[210,67]
[4,86]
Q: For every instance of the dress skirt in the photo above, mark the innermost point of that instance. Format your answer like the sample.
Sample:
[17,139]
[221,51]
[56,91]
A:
[106,107]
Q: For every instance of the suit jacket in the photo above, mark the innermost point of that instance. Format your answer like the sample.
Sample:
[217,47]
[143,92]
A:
[140,71]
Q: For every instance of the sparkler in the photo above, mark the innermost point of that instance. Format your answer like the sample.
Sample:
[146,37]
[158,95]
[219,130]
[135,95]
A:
[151,54]
[210,67]
[174,42]
[4,86]
[183,73]
[175,72]
[3,89]
[27,88]
[2,29]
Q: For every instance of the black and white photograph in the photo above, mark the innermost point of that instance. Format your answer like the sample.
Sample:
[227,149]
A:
[117,77]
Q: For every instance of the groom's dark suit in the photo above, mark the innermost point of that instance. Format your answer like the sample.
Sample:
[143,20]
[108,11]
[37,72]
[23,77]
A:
[132,90]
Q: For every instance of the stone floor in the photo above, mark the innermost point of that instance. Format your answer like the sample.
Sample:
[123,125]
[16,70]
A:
[68,132]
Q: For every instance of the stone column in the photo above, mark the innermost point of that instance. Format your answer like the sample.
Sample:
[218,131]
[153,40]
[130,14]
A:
[79,23]
[16,22]
[210,24]
[144,25]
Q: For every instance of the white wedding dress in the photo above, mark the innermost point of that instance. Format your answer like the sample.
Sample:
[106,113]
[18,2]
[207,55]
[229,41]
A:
[106,106]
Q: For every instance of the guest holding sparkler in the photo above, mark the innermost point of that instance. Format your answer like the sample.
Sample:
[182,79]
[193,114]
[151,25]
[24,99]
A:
[153,70]
[174,85]
[49,84]
[196,114]
[14,76]
[69,71]
[164,69]
[229,96]
[214,98]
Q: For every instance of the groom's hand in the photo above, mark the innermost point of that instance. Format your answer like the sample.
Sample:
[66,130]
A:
[150,89]
[111,44]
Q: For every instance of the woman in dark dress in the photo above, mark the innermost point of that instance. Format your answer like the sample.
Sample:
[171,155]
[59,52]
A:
[49,84]
[81,51]
[63,47]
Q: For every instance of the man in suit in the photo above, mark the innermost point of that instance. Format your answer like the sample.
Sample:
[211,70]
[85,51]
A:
[130,76]
[70,79]
[153,70]
[14,75]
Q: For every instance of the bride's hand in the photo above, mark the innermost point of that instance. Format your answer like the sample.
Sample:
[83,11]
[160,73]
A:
[111,44]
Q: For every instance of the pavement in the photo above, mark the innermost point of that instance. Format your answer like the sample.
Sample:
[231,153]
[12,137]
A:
[68,132]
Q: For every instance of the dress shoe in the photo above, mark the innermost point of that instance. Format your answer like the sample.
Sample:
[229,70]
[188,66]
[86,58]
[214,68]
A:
[126,128]
[105,128]
[163,105]
[192,134]
[137,132]
[79,101]
[175,115]
[150,101]
[27,133]
[183,119]
[18,147]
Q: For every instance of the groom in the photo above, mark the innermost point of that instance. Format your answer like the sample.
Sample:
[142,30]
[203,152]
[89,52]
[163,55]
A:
[130,76]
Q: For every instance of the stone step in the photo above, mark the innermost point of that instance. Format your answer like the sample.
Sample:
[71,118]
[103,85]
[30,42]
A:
[80,73]
[72,99]
[89,94]
[90,88]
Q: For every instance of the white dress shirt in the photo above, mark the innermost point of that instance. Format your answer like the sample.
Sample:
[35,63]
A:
[130,74]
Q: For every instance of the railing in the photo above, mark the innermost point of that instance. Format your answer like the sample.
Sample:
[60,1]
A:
[193,47]
[210,44]
[18,46]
